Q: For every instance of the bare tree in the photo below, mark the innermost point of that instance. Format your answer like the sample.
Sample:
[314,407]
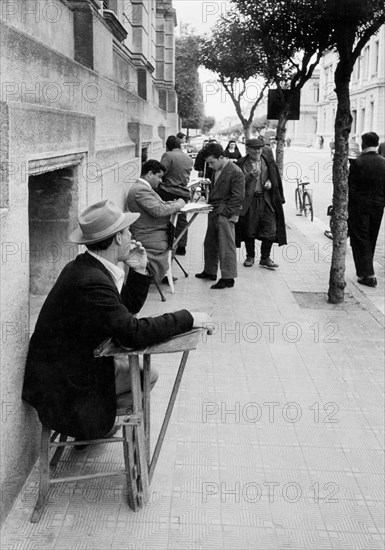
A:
[230,54]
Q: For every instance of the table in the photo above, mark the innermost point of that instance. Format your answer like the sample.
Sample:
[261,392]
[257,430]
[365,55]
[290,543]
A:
[143,463]
[190,208]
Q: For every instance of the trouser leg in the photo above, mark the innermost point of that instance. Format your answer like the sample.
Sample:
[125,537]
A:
[181,224]
[266,247]
[123,379]
[227,249]
[211,252]
[250,247]
[361,244]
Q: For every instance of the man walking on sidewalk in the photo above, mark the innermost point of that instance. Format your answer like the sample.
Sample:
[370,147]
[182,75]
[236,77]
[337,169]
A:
[262,214]
[366,206]
[226,197]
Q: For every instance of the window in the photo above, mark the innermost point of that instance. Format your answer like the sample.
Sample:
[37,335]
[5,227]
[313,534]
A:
[366,63]
[376,57]
[142,83]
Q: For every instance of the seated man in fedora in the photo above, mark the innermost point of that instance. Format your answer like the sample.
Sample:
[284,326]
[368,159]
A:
[73,392]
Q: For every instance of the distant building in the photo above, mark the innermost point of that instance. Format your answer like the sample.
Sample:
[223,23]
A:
[87,94]
[367,91]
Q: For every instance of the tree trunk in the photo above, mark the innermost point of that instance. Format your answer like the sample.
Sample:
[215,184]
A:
[342,127]
[247,129]
[281,135]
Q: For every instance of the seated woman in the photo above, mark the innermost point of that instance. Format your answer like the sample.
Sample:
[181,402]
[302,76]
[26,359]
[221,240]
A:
[151,228]
[232,152]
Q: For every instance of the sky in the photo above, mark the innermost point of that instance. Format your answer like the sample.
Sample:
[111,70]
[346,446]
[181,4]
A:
[202,15]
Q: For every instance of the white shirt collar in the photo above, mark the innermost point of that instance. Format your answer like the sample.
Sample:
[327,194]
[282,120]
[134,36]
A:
[370,150]
[116,272]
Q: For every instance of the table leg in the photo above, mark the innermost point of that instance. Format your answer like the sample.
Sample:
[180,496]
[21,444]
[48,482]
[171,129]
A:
[166,420]
[147,404]
[135,444]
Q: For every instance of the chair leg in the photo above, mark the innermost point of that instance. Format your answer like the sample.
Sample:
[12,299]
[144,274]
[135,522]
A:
[44,474]
[130,468]
[163,297]
[59,451]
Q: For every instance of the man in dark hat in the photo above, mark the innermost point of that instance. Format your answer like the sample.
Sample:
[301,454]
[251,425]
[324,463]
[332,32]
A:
[73,392]
[262,215]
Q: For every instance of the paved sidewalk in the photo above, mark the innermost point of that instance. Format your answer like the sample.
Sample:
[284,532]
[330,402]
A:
[276,440]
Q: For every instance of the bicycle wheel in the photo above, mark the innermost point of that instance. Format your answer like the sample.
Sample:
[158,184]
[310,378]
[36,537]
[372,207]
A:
[308,205]
[298,203]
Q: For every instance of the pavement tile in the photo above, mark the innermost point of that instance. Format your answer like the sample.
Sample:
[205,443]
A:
[276,438]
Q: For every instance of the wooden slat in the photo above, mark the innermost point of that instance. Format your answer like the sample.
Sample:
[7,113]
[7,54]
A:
[181,342]
[167,417]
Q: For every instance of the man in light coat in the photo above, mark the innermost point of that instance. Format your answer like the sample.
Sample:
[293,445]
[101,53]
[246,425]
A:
[152,227]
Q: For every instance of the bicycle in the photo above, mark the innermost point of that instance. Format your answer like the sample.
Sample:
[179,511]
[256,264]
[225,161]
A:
[303,199]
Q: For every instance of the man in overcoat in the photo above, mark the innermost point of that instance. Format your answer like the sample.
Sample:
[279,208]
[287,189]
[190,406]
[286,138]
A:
[73,392]
[262,214]
[226,195]
[366,206]
[151,228]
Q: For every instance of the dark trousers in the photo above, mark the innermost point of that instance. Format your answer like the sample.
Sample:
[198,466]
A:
[364,226]
[266,247]
[182,217]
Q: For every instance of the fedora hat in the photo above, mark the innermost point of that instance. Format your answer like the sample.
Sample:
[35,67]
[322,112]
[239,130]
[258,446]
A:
[101,221]
[255,142]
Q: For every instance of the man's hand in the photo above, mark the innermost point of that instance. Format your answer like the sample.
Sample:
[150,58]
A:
[267,184]
[137,258]
[202,320]
[182,203]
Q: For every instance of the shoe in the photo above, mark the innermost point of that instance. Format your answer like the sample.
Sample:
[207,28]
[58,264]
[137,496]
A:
[367,281]
[164,281]
[180,250]
[205,275]
[267,263]
[224,283]
[81,448]
[249,261]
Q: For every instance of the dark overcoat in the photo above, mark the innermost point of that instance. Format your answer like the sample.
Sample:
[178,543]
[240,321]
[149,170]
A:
[72,391]
[276,193]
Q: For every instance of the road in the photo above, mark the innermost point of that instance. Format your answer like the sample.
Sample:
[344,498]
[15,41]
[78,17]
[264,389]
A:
[317,165]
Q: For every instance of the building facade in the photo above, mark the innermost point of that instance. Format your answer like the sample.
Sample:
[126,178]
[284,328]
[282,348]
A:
[367,91]
[87,94]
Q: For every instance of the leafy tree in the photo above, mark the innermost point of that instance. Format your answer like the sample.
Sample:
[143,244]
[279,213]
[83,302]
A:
[207,124]
[354,22]
[305,29]
[230,54]
[293,39]
[187,86]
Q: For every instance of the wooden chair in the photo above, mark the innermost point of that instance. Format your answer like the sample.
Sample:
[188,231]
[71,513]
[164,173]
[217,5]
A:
[139,465]
[133,439]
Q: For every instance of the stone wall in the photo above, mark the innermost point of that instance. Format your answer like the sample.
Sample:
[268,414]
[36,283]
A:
[72,133]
